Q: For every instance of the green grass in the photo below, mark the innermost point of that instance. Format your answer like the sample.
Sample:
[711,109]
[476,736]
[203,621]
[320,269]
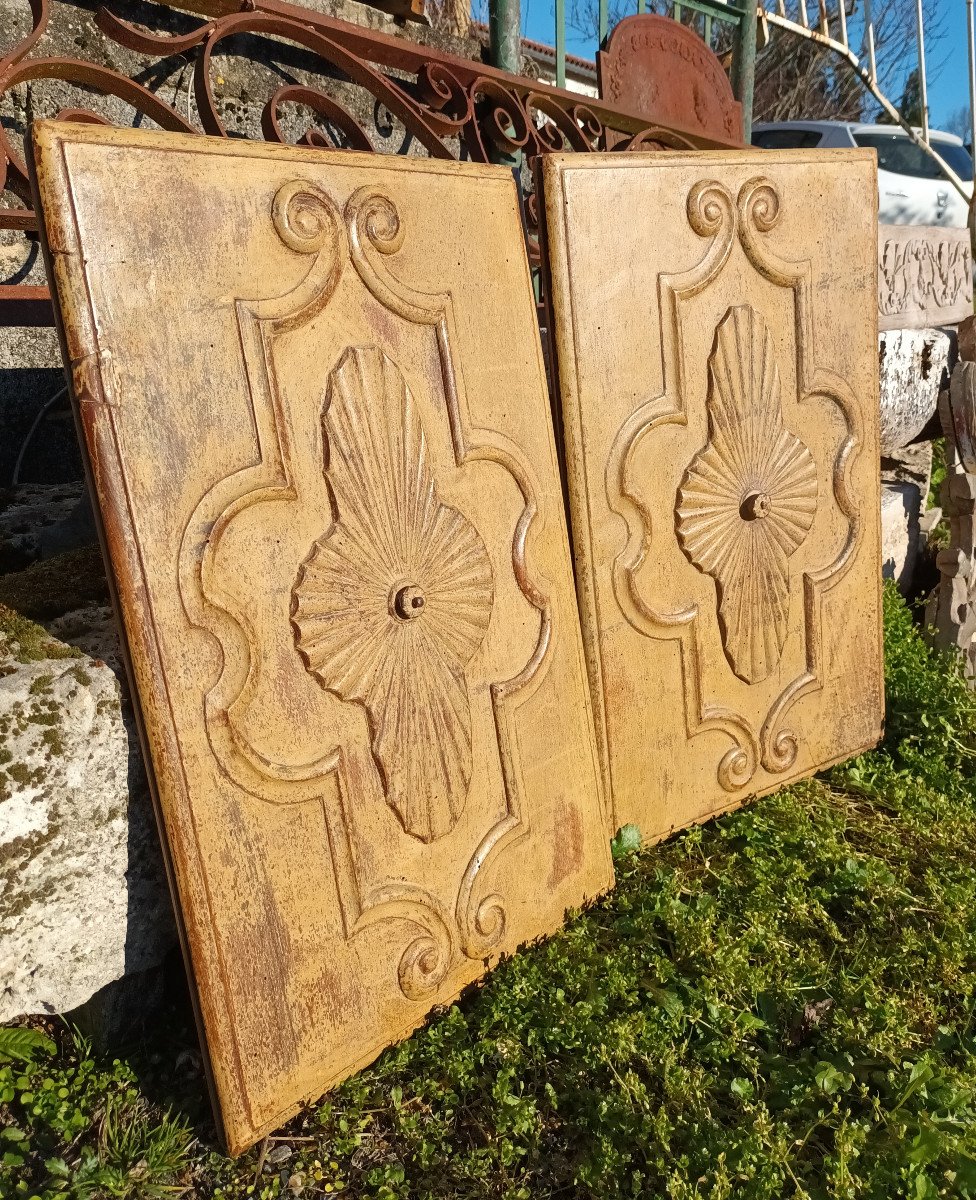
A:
[779,1004]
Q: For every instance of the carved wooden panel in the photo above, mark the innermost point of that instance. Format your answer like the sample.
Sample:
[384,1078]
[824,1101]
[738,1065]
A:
[718,369]
[663,70]
[335,526]
[925,276]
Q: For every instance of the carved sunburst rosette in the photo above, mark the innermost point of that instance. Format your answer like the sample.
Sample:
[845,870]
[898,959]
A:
[749,497]
[392,602]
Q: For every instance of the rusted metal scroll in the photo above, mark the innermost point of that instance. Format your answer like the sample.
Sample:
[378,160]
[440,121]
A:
[440,105]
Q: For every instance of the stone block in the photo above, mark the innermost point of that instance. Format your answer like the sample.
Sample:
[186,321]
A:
[912,369]
[966,339]
[83,897]
[904,489]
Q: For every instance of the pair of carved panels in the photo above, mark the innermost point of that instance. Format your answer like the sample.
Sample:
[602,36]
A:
[386,747]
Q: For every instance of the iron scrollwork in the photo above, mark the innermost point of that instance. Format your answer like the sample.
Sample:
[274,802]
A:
[447,107]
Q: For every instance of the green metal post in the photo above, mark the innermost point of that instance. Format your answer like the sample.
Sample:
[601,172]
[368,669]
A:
[744,65]
[560,43]
[504,36]
[604,20]
[641,6]
[505,51]
[708,30]
[677,12]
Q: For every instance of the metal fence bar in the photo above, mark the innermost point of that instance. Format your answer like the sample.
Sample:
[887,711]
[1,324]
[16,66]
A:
[604,19]
[971,43]
[842,13]
[869,41]
[744,64]
[922,84]
[505,34]
[713,8]
[560,43]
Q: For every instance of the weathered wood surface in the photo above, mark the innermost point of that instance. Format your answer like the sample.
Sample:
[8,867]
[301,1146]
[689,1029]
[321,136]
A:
[313,399]
[718,367]
[925,276]
[663,70]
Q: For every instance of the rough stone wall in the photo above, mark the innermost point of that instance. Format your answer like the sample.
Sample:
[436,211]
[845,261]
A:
[83,897]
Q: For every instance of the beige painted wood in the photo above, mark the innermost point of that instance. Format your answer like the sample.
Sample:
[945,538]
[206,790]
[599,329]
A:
[925,276]
[313,398]
[717,354]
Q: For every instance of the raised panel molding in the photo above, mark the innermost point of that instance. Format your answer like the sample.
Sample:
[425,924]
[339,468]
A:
[344,578]
[716,515]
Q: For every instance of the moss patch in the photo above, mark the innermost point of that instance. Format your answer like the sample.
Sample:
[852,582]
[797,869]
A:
[25,641]
[41,684]
[57,585]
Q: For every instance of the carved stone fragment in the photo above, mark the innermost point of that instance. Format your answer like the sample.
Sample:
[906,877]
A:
[951,610]
[719,407]
[966,339]
[905,478]
[335,526]
[912,370]
[925,276]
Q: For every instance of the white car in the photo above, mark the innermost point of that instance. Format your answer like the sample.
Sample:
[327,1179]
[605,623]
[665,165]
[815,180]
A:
[911,188]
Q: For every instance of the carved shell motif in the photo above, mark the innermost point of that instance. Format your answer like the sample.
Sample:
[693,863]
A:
[392,603]
[749,497]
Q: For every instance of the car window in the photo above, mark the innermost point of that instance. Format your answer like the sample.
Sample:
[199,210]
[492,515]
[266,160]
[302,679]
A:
[957,157]
[786,139]
[899,154]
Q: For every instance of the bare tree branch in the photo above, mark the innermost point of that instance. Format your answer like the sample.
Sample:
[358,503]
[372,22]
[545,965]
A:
[796,78]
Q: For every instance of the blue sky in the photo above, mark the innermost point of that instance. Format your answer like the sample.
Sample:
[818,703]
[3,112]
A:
[945,61]
[538,22]
[947,67]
